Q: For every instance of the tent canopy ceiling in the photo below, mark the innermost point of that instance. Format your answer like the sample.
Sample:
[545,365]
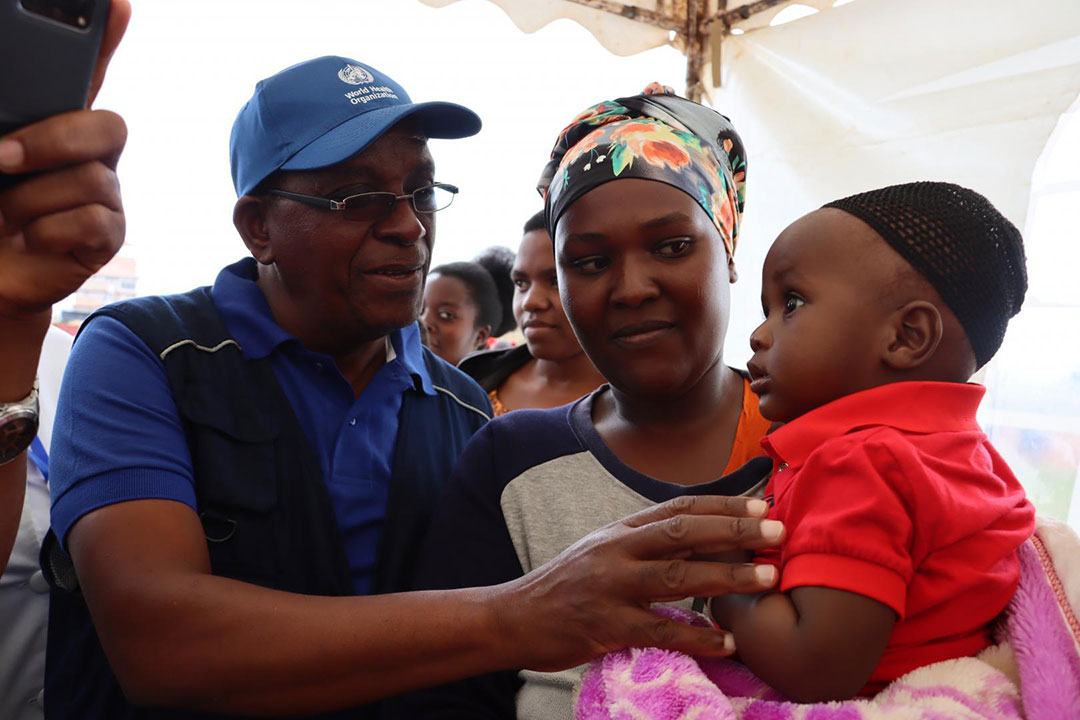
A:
[869,93]
[626,27]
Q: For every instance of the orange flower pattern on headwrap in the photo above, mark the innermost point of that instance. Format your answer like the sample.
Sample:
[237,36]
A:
[656,136]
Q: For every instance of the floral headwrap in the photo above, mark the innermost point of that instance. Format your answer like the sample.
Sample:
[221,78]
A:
[654,136]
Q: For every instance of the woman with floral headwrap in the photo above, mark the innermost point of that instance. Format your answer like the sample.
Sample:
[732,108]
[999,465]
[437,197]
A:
[643,199]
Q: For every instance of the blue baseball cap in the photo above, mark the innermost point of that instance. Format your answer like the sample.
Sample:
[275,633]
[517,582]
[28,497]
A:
[323,111]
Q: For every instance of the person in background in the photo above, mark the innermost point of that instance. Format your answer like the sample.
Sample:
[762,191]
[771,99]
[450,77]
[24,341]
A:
[462,309]
[550,369]
[499,260]
[24,592]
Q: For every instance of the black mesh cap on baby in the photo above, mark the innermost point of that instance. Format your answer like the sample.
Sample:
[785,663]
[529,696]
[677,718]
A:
[955,238]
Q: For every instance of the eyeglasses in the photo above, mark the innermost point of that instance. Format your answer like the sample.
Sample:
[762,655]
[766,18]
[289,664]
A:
[374,206]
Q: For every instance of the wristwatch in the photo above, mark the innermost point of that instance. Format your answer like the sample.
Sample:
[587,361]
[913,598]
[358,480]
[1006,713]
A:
[18,425]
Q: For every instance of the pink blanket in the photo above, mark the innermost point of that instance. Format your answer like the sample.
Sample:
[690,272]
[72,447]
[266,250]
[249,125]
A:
[1032,674]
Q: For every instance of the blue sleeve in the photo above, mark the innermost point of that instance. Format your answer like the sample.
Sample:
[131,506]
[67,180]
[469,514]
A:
[117,434]
[468,546]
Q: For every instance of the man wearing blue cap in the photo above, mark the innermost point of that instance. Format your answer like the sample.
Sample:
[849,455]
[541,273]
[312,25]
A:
[230,464]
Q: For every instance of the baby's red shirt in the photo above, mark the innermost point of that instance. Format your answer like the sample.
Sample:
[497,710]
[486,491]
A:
[895,493]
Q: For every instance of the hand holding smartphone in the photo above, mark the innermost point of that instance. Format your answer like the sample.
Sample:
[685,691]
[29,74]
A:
[61,216]
[48,50]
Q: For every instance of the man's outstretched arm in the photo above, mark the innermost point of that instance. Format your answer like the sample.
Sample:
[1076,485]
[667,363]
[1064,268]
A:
[178,636]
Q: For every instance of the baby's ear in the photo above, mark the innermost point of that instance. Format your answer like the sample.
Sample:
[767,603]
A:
[916,333]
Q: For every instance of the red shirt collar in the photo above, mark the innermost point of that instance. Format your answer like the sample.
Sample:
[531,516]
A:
[920,407]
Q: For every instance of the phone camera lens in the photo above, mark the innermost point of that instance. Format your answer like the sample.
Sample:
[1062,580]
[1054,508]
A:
[74,13]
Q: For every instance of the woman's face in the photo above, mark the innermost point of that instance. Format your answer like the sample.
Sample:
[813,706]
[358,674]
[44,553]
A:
[644,281]
[537,306]
[449,315]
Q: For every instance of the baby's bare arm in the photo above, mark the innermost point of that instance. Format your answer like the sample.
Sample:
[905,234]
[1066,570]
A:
[813,644]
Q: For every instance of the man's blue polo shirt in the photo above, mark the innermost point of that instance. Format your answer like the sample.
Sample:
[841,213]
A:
[118,435]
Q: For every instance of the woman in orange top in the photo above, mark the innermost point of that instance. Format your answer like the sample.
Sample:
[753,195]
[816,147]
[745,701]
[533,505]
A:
[550,369]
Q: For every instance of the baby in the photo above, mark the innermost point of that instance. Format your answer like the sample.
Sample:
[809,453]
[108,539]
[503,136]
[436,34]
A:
[902,521]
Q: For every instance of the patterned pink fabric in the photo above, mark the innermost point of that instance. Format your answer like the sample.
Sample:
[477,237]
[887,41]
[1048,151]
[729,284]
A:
[652,684]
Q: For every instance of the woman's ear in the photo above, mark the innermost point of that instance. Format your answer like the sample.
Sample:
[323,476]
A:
[915,335]
[249,217]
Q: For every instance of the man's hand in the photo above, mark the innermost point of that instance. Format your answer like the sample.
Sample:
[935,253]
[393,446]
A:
[59,226]
[119,16]
[62,225]
[595,596]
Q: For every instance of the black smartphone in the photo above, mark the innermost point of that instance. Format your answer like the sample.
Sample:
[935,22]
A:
[48,49]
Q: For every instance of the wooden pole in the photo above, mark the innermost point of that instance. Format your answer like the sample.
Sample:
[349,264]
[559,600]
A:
[729,18]
[630,12]
[716,46]
[695,48]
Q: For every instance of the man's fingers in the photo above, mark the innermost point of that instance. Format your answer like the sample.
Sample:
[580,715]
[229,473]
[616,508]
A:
[669,580]
[64,140]
[41,195]
[90,235]
[33,284]
[683,535]
[651,630]
[699,505]
[54,255]
[119,15]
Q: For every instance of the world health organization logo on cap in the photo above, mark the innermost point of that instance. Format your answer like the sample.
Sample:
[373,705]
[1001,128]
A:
[354,75]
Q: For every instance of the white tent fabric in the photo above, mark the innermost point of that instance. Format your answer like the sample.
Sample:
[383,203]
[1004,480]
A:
[624,35]
[620,35]
[885,91]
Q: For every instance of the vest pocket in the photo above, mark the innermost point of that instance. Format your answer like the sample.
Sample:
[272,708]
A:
[236,492]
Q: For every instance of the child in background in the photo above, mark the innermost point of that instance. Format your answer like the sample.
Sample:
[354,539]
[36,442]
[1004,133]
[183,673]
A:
[902,521]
